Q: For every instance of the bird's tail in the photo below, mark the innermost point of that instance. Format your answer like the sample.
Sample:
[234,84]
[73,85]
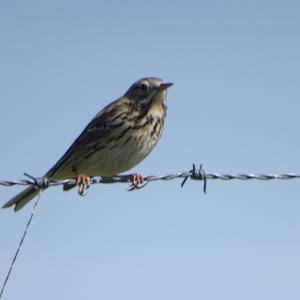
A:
[22,198]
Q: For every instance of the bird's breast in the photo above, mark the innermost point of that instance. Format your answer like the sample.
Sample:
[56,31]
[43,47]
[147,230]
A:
[127,146]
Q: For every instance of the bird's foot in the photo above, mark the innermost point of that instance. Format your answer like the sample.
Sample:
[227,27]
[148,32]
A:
[83,182]
[136,181]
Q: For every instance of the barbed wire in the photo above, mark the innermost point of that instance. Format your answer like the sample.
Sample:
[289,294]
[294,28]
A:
[194,174]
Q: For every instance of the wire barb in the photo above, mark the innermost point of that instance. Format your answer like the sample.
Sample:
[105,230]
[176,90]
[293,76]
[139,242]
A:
[197,174]
[39,182]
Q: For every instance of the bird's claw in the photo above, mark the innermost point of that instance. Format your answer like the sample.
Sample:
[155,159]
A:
[136,181]
[83,182]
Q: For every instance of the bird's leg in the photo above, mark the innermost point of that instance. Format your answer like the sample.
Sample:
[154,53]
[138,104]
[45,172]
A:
[83,183]
[136,180]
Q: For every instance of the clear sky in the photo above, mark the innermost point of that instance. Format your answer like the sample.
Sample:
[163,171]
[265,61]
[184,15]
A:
[234,107]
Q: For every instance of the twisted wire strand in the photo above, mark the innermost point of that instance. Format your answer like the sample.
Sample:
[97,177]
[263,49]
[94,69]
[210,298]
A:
[194,174]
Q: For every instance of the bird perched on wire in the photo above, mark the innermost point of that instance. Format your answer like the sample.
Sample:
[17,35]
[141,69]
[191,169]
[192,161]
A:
[118,138]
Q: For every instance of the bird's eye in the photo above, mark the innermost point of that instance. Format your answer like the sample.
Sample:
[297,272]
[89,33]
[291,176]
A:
[144,86]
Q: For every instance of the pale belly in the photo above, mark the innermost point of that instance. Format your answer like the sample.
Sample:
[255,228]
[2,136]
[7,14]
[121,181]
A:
[116,157]
[114,160]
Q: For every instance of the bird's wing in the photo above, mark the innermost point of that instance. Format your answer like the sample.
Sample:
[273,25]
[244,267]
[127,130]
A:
[95,135]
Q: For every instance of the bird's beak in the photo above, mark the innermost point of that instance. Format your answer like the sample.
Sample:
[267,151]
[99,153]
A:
[165,85]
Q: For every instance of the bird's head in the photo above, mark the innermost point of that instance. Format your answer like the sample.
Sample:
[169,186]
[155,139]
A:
[148,91]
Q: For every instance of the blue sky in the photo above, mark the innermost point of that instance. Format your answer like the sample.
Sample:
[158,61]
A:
[234,107]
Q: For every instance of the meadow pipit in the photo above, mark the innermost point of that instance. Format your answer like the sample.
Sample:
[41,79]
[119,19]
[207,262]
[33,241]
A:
[118,138]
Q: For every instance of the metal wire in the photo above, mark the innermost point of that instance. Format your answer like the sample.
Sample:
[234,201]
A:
[20,245]
[194,174]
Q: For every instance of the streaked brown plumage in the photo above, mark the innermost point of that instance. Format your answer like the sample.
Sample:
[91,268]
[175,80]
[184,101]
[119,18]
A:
[117,139]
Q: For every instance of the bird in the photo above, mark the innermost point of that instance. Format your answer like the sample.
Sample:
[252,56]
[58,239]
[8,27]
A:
[118,138]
